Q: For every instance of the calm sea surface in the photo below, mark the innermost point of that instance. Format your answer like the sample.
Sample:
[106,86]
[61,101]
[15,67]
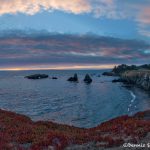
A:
[78,104]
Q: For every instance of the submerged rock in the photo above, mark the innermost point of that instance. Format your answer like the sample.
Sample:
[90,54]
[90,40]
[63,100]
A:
[127,86]
[87,79]
[37,76]
[108,74]
[54,78]
[99,76]
[73,79]
[93,74]
[119,80]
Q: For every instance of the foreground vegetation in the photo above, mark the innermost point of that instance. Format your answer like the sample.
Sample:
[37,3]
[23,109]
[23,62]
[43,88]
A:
[20,132]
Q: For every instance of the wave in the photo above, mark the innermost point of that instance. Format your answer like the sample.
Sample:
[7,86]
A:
[132,100]
[133,96]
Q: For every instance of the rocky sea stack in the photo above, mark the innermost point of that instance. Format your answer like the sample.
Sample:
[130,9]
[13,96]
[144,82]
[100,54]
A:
[74,78]
[37,76]
[87,79]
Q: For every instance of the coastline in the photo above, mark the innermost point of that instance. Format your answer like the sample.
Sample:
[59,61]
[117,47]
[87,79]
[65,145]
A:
[132,100]
[137,95]
[58,100]
[20,132]
[133,77]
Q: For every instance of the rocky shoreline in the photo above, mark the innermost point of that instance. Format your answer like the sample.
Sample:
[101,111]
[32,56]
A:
[132,75]
[139,78]
[20,132]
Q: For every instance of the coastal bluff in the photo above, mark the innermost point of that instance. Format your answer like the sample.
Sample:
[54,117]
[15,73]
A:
[134,75]
[20,132]
[140,78]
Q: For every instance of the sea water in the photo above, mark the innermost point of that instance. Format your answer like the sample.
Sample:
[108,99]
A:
[77,104]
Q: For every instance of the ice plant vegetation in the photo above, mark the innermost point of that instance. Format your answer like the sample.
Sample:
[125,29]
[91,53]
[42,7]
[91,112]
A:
[20,132]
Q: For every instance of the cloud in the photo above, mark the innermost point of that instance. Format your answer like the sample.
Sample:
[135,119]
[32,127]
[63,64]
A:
[98,8]
[137,11]
[114,9]
[143,19]
[26,49]
[144,15]
[33,6]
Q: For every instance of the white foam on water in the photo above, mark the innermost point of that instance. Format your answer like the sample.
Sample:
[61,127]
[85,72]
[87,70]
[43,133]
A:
[130,105]
[132,100]
[133,96]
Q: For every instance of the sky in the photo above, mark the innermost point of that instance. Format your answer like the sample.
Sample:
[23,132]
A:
[76,34]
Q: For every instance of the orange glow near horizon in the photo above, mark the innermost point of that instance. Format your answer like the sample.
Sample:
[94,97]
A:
[73,67]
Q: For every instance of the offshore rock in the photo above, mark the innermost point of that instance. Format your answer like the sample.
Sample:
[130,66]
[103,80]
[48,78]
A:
[37,76]
[73,79]
[87,79]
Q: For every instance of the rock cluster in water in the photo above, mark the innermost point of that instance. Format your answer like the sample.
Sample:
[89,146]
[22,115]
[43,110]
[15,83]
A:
[87,78]
[74,78]
[37,76]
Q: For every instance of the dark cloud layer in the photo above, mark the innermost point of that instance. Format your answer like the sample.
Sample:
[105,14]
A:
[20,48]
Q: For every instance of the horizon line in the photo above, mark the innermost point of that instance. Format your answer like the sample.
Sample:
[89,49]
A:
[76,67]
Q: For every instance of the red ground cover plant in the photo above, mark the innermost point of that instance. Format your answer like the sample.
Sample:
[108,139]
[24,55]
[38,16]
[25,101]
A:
[21,133]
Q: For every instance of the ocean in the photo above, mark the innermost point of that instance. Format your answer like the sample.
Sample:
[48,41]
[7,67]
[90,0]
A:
[77,104]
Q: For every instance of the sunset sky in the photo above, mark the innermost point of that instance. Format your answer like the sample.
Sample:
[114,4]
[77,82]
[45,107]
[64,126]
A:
[73,34]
